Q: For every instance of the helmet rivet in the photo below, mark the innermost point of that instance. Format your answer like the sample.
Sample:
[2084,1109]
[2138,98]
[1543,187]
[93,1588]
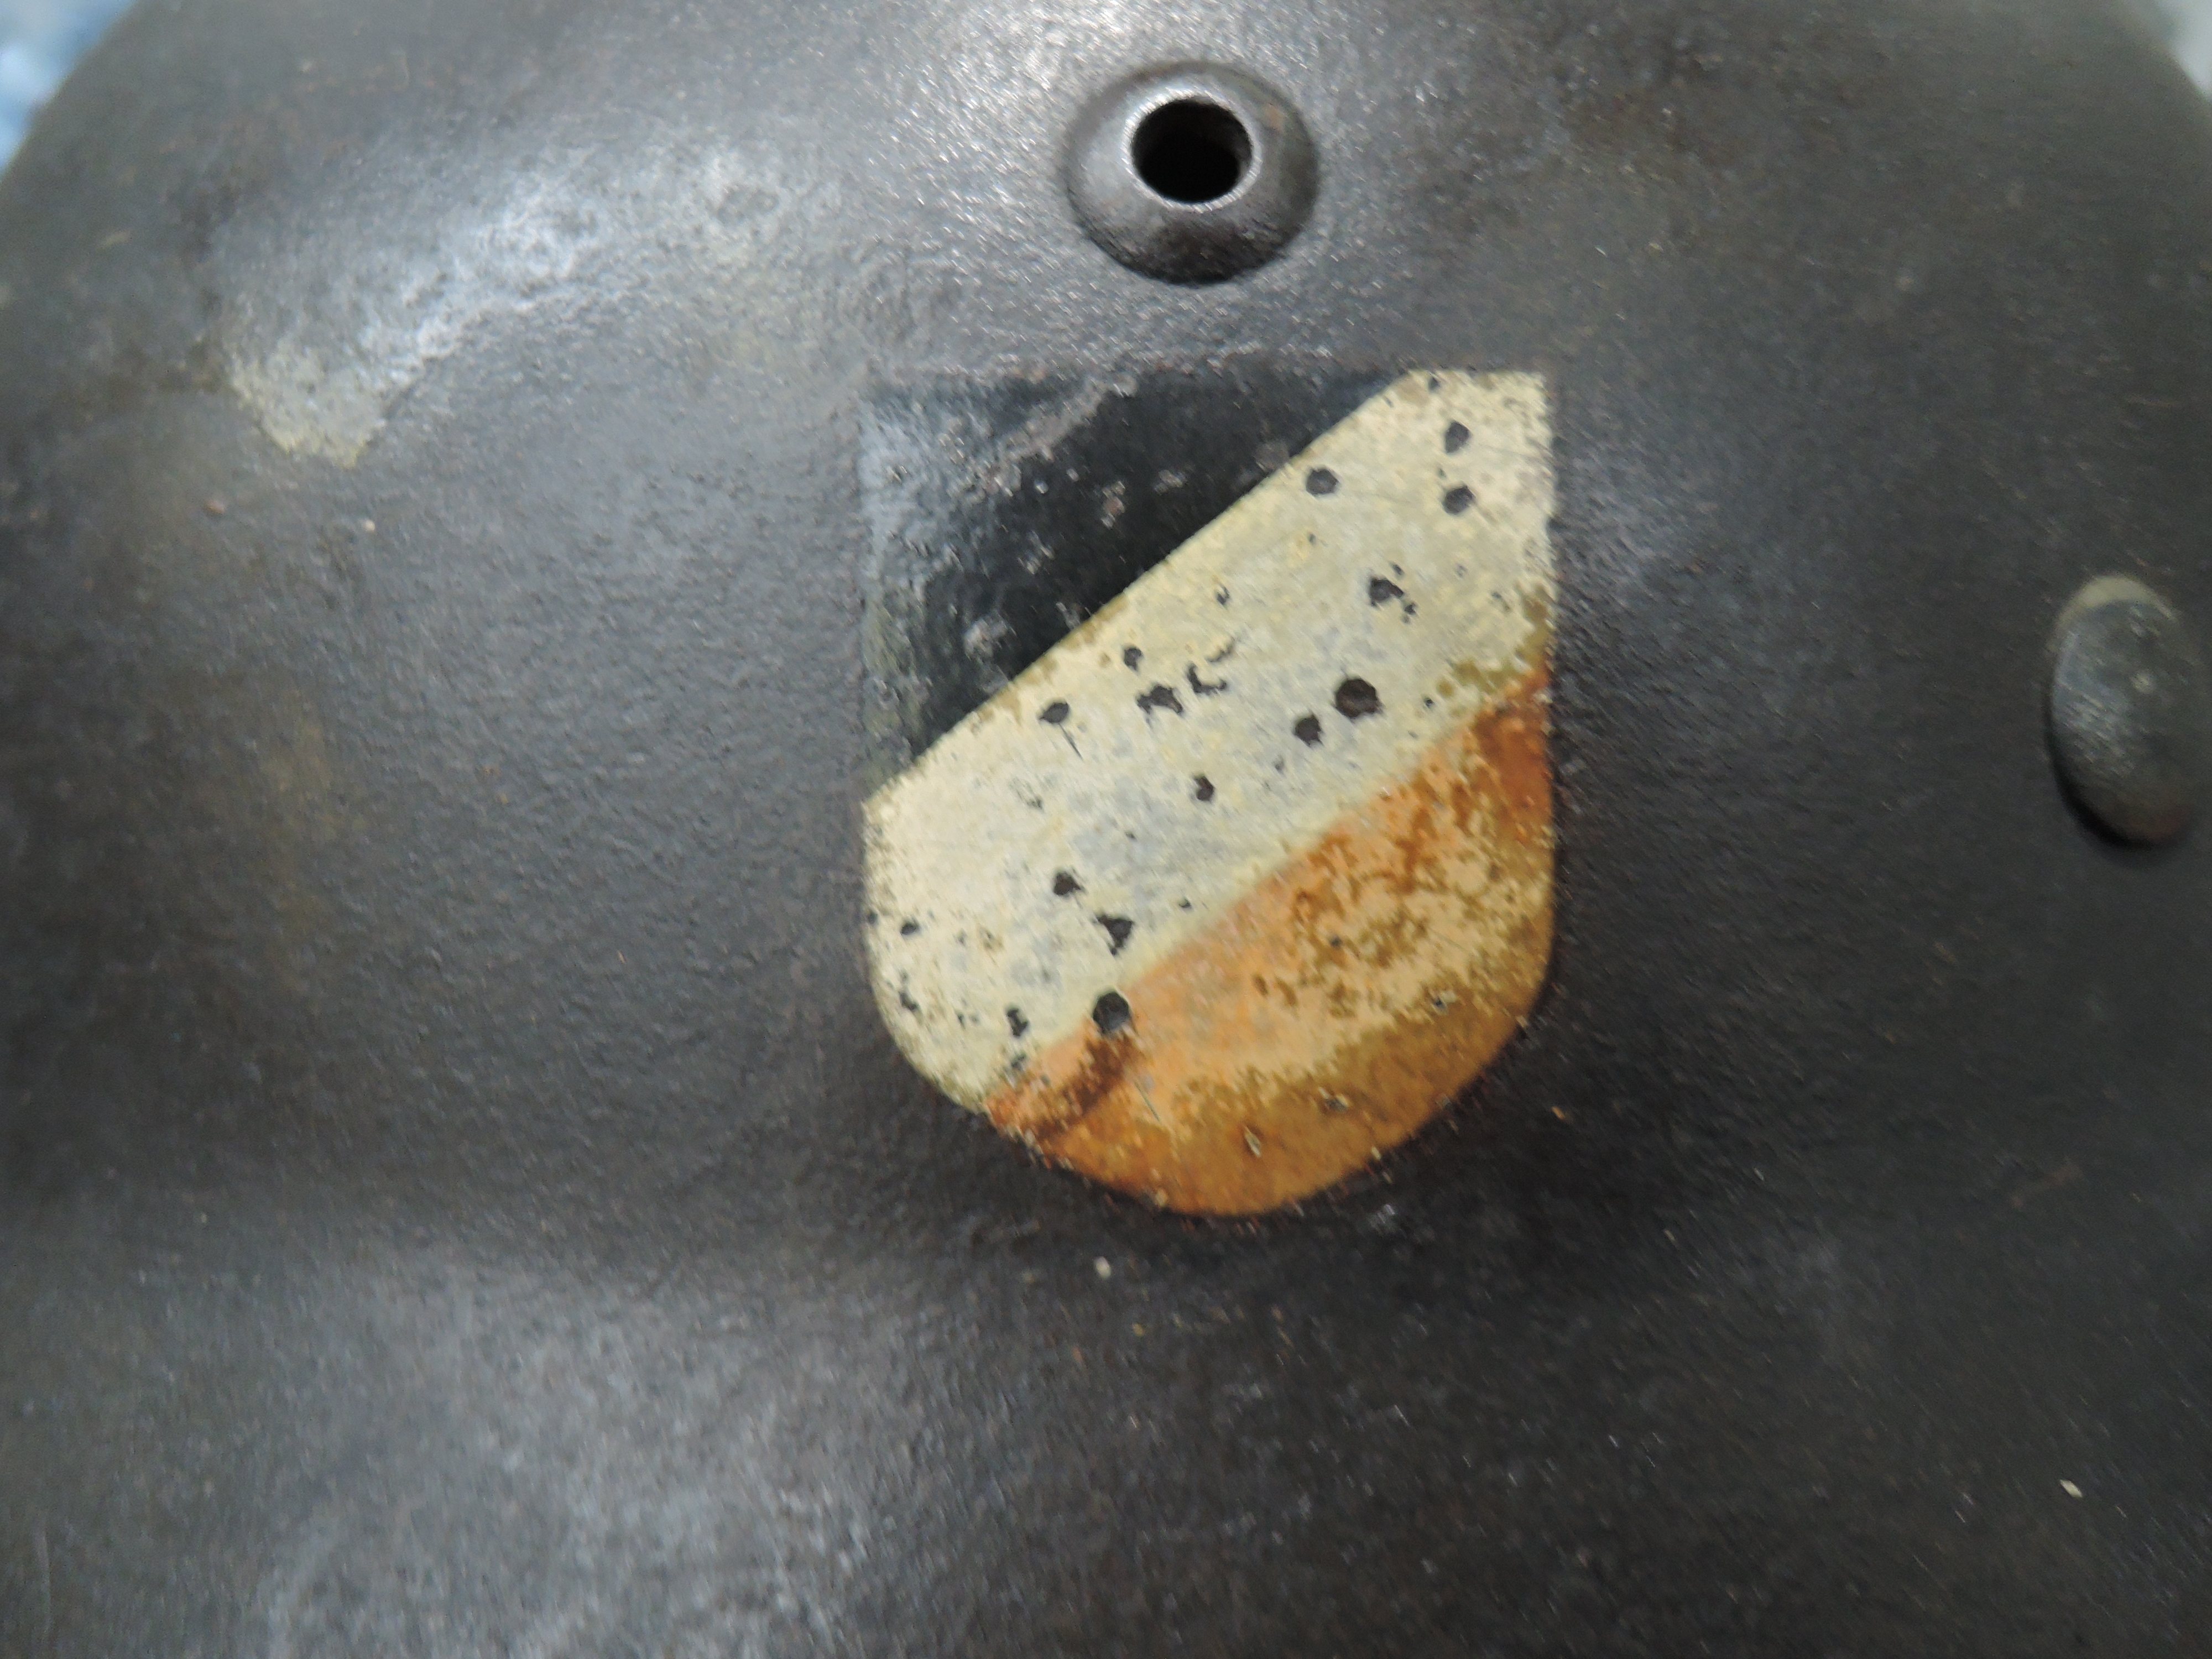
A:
[2130,711]
[1191,174]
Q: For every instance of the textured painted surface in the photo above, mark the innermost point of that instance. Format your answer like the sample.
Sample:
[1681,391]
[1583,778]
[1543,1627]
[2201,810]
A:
[1236,885]
[456,1193]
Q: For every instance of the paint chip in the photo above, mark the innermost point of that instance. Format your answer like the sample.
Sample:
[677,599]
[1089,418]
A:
[2070,1489]
[1356,699]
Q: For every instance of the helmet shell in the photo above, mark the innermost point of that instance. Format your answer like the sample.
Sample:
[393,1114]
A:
[458,1192]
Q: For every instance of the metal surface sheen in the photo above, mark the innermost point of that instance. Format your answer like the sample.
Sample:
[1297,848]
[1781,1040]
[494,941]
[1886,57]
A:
[2130,711]
[458,1196]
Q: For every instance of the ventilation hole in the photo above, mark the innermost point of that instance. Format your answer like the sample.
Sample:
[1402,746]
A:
[1192,151]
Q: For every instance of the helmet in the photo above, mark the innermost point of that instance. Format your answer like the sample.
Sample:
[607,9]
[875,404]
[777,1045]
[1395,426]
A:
[1519,685]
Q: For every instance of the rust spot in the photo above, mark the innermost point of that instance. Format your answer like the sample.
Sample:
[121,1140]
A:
[1105,1059]
[1387,964]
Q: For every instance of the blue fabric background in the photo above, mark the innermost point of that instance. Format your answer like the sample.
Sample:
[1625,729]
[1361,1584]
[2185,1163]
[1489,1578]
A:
[2189,23]
[38,41]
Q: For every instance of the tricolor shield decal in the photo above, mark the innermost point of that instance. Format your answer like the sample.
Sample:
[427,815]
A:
[1240,882]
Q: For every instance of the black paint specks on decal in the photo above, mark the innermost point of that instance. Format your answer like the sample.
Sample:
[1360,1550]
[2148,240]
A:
[1223,899]
[1016,1023]
[1221,596]
[908,929]
[1381,590]
[1054,714]
[1064,882]
[1458,499]
[987,541]
[1456,437]
[1356,699]
[1321,482]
